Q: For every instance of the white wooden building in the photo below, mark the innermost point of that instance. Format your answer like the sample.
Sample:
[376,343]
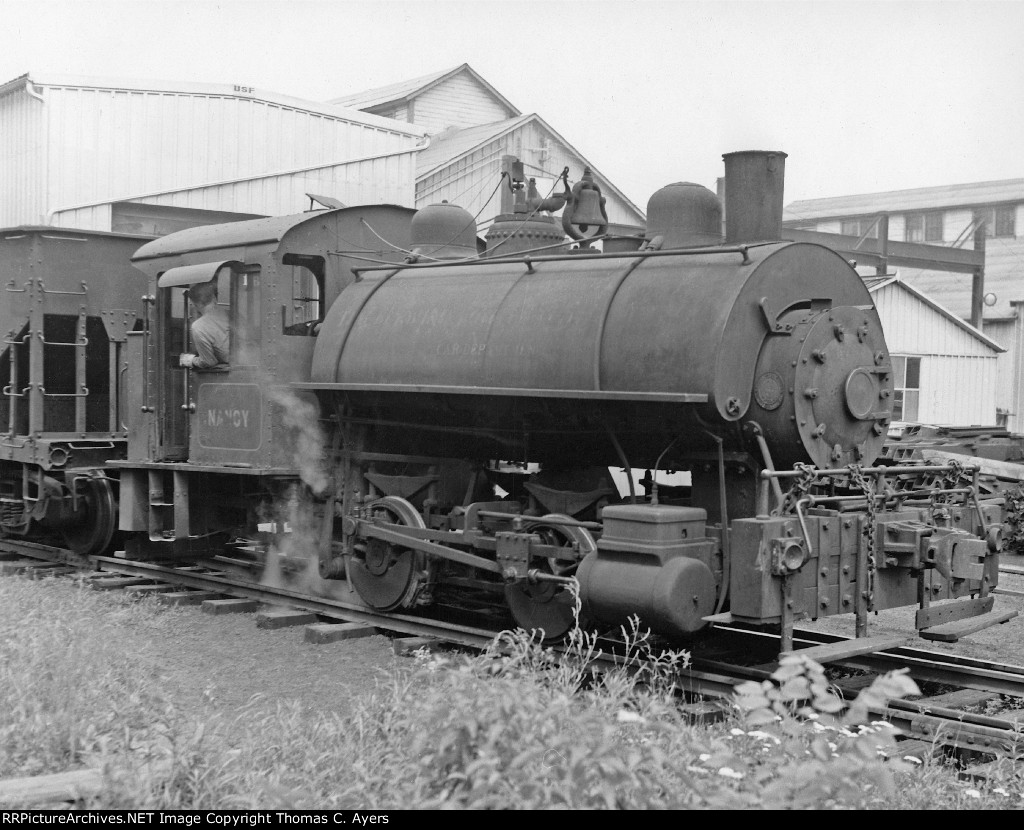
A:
[151,157]
[946,371]
[471,126]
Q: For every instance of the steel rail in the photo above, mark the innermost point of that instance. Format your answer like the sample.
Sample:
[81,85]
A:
[704,679]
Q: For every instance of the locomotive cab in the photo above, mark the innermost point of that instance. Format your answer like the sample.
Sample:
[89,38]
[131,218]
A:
[233,427]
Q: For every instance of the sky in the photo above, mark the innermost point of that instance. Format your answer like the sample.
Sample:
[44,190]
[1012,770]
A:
[863,95]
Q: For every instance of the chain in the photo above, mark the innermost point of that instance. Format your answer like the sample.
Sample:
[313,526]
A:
[955,477]
[858,480]
[800,487]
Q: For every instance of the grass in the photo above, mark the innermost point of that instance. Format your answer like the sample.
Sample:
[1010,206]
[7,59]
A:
[517,727]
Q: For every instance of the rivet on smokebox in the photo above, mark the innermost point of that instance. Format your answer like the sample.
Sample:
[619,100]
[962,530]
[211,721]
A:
[839,331]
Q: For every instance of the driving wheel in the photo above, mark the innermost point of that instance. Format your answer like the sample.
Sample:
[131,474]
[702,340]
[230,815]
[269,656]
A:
[550,606]
[387,576]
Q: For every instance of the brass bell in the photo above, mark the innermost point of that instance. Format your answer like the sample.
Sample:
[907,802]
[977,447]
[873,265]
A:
[587,210]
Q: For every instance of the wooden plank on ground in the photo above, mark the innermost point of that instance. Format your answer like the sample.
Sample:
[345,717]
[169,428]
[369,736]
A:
[47,789]
[229,606]
[333,632]
[59,788]
[953,631]
[844,649]
[283,618]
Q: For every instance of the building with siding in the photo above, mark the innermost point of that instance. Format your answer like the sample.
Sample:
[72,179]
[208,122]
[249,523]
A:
[471,126]
[151,158]
[956,217]
[155,157]
[946,371]
[948,215]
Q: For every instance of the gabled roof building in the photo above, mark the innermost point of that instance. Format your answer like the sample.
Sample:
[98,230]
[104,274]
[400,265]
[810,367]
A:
[471,126]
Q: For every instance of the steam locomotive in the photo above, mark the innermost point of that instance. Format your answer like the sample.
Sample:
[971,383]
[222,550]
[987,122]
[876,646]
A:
[435,419]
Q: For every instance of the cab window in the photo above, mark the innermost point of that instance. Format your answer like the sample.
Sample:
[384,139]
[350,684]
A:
[303,289]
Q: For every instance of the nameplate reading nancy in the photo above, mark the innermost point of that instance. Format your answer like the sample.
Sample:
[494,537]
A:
[229,416]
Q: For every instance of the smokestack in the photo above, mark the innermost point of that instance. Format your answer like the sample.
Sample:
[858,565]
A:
[753,195]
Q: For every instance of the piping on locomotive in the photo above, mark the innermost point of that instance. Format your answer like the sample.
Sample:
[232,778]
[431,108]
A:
[434,424]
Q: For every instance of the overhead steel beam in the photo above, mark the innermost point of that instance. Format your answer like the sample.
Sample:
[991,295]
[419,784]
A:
[908,254]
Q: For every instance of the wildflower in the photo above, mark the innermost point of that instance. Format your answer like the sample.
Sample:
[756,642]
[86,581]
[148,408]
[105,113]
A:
[729,772]
[704,756]
[972,793]
[624,716]
[737,732]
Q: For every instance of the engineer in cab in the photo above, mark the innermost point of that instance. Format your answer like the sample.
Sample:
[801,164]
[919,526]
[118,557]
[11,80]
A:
[211,332]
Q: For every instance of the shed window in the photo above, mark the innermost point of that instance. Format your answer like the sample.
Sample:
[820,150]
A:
[906,388]
[859,227]
[933,226]
[914,227]
[1000,221]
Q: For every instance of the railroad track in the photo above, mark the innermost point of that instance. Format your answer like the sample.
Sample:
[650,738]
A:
[943,718]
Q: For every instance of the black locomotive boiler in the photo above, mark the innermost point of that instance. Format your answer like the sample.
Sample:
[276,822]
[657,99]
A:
[754,363]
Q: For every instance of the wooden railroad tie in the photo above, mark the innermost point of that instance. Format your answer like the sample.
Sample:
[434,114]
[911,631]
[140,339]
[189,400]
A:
[403,646]
[333,632]
[283,618]
[113,583]
[24,566]
[146,590]
[187,597]
[229,606]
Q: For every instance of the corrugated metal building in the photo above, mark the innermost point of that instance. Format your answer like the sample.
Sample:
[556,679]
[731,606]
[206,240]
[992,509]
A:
[154,157]
[146,157]
[946,371]
[472,126]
